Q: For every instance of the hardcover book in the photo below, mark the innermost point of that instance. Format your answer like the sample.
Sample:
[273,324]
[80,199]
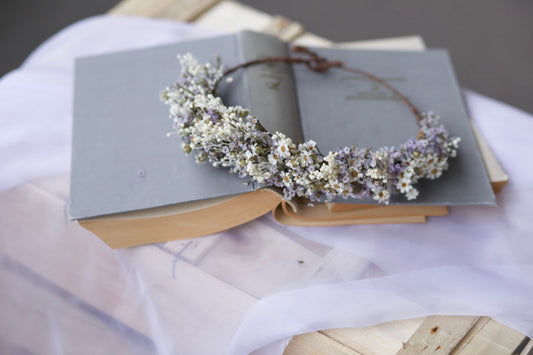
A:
[131,184]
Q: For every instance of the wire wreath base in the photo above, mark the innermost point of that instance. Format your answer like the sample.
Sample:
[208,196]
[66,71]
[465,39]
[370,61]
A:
[232,137]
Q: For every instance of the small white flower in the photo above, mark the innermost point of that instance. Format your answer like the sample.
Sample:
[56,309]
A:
[306,158]
[286,178]
[412,194]
[382,195]
[408,171]
[434,173]
[404,185]
[292,163]
[333,184]
[380,155]
[273,158]
[284,146]
[430,159]
[310,145]
[300,180]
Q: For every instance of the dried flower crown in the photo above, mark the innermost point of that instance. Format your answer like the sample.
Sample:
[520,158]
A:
[232,137]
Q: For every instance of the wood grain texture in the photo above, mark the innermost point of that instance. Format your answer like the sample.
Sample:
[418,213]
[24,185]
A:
[317,343]
[232,16]
[42,308]
[386,338]
[179,10]
[438,335]
[492,338]
[284,29]
[181,312]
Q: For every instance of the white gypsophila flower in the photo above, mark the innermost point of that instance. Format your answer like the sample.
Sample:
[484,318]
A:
[374,173]
[330,158]
[248,155]
[316,175]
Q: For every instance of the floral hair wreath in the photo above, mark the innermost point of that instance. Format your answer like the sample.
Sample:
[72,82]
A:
[230,136]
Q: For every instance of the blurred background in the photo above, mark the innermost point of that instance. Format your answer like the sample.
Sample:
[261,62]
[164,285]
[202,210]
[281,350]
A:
[490,41]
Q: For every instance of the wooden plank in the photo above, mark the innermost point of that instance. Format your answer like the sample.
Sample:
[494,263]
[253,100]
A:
[35,312]
[181,302]
[261,260]
[194,249]
[192,310]
[181,277]
[386,338]
[283,28]
[498,177]
[527,350]
[232,16]
[36,253]
[438,335]
[318,344]
[179,10]
[489,337]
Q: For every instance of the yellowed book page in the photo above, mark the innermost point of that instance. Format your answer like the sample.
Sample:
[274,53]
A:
[321,212]
[119,233]
[280,216]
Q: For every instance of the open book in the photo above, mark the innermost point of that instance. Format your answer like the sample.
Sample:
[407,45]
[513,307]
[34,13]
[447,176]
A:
[131,184]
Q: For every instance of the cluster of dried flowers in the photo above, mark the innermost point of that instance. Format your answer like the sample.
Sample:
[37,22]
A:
[231,137]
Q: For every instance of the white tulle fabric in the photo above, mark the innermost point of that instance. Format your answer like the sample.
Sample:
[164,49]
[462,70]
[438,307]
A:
[248,289]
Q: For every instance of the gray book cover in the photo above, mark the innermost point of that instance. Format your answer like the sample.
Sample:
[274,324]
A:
[123,161]
[340,108]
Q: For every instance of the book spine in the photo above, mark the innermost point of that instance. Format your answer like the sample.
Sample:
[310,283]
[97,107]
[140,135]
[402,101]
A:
[270,86]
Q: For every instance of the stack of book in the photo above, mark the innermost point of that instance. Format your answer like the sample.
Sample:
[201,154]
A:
[132,185]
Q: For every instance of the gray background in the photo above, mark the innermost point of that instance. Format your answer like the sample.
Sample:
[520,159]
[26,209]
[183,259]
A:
[490,41]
